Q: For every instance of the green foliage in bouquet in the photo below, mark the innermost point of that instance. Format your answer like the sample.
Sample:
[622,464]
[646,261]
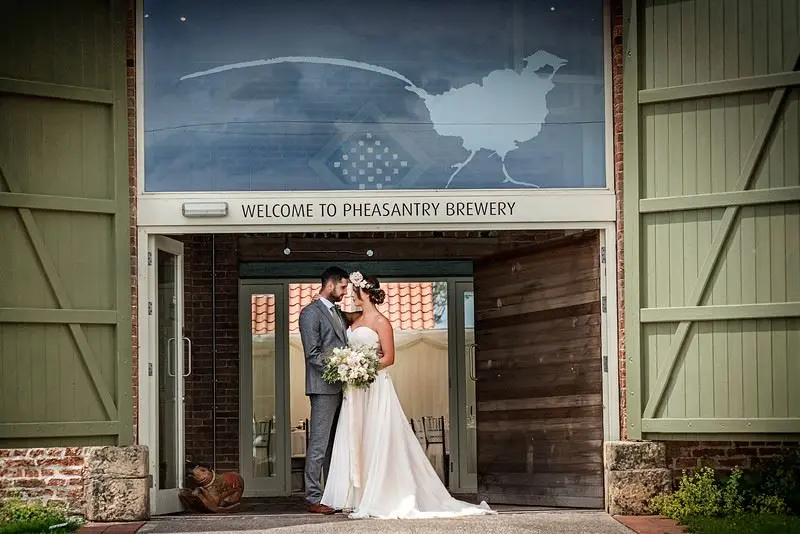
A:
[352,366]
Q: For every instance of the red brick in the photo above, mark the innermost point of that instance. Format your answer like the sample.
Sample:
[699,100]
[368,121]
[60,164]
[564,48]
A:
[29,482]
[17,463]
[68,462]
[70,472]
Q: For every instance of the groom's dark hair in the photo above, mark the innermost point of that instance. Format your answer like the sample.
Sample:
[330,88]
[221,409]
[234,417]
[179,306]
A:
[333,274]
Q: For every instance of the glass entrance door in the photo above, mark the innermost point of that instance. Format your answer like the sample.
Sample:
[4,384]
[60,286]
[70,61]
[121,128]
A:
[170,365]
[264,412]
[465,391]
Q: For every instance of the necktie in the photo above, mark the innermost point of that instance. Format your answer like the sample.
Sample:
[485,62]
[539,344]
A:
[337,316]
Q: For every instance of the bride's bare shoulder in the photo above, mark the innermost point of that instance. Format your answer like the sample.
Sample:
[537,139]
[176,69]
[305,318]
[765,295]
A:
[383,322]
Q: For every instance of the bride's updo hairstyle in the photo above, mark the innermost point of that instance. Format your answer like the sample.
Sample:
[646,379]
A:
[369,285]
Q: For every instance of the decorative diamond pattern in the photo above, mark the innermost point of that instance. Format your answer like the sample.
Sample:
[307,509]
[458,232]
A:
[368,155]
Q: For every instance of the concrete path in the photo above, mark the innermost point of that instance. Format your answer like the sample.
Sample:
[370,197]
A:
[512,523]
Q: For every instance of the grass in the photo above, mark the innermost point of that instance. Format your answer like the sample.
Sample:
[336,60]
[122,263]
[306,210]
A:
[745,524]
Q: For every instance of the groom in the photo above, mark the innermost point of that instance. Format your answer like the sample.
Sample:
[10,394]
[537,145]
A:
[323,327]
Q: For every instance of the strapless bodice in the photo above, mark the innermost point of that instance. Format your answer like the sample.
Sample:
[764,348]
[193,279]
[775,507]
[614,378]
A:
[362,335]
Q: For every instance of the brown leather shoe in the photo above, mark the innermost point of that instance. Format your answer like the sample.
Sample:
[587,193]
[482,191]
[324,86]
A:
[320,509]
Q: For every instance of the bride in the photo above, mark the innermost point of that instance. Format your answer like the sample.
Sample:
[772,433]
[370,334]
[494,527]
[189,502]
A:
[378,468]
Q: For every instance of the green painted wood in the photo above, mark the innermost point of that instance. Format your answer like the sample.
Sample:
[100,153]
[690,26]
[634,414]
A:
[54,316]
[705,201]
[719,88]
[57,430]
[382,269]
[631,253]
[778,425]
[65,313]
[58,91]
[122,251]
[716,216]
[726,312]
[56,203]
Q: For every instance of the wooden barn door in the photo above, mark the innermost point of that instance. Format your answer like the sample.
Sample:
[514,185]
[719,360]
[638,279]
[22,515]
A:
[539,374]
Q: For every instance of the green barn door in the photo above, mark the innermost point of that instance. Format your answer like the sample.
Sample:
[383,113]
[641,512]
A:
[712,219]
[65,258]
[171,364]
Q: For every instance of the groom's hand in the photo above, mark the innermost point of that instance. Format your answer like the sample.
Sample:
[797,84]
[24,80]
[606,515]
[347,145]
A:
[352,317]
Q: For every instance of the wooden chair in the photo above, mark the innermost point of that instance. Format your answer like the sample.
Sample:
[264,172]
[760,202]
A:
[419,431]
[436,434]
[264,431]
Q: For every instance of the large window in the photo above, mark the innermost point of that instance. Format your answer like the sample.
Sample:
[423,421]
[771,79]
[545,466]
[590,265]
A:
[257,95]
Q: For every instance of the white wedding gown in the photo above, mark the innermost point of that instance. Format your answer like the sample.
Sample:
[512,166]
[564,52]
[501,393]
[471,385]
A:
[378,468]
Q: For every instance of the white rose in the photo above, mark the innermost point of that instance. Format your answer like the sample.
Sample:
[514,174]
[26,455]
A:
[356,278]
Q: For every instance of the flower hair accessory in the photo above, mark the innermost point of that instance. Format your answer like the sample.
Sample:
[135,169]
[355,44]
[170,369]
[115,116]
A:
[358,281]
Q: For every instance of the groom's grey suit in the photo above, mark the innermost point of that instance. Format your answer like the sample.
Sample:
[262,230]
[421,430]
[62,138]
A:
[321,329]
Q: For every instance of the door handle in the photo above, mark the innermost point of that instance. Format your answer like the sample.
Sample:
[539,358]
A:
[472,369]
[170,357]
[189,342]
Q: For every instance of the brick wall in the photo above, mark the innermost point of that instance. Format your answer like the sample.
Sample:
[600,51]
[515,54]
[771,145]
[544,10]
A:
[722,455]
[205,263]
[55,474]
[617,61]
[130,39]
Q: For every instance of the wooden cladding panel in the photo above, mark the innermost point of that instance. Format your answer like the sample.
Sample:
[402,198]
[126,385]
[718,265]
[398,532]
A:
[539,370]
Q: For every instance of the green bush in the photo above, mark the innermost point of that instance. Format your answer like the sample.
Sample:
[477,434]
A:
[771,488]
[30,516]
[697,495]
[776,477]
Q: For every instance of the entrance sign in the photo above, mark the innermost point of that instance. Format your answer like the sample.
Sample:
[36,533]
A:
[377,210]
[337,209]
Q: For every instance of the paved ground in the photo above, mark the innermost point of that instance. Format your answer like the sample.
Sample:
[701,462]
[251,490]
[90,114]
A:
[511,523]
[650,524]
[542,521]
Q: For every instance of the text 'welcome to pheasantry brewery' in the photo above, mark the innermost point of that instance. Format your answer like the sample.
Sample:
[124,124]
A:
[377,210]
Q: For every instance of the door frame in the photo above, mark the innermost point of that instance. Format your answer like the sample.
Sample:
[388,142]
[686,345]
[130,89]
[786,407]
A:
[148,364]
[609,316]
[282,485]
[458,394]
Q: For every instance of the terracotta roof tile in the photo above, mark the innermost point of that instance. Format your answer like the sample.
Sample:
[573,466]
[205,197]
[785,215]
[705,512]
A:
[409,306]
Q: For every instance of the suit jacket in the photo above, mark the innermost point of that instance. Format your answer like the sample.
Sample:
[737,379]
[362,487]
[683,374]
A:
[320,333]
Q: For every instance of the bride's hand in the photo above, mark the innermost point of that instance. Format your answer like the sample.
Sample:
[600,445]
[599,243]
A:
[315,297]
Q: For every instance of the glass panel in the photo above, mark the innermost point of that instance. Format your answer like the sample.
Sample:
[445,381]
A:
[469,457]
[168,343]
[510,96]
[264,317]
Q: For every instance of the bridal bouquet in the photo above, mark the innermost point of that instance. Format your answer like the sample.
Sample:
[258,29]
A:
[355,366]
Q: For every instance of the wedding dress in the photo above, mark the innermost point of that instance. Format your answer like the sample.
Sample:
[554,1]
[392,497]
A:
[378,468]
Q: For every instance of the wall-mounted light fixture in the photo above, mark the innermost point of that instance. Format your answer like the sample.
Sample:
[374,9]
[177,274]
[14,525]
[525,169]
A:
[204,209]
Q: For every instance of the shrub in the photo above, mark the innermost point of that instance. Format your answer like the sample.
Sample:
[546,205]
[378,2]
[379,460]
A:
[697,495]
[777,477]
[771,488]
[17,516]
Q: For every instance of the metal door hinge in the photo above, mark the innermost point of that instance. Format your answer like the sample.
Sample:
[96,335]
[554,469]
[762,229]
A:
[605,364]
[150,480]
[149,369]
[149,258]
[604,304]
[602,254]
[149,307]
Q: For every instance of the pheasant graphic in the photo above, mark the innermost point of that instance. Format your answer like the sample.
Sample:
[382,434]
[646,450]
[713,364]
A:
[504,109]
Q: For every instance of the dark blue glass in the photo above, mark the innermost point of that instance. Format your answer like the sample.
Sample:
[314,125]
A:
[254,95]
